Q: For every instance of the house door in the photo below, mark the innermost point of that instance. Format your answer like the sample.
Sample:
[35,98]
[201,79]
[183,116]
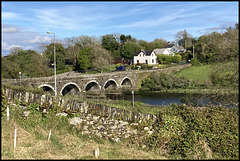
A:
[146,61]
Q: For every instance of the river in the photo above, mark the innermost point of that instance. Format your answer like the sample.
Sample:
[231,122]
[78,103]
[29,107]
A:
[195,100]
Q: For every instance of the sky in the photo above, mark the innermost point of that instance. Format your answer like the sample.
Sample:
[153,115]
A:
[25,23]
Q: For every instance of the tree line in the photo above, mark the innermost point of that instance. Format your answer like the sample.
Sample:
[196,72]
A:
[85,52]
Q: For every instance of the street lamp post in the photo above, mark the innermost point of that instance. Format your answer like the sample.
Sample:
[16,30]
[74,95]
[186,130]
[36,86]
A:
[133,99]
[193,51]
[55,64]
[20,76]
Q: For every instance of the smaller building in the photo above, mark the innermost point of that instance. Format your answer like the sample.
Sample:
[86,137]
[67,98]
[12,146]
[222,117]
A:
[145,57]
[165,51]
[178,49]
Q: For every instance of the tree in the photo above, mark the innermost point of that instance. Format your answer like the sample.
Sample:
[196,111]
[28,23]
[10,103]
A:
[218,47]
[72,54]
[109,42]
[60,55]
[14,50]
[86,41]
[184,39]
[124,39]
[29,62]
[129,49]
[100,57]
[228,48]
[144,44]
[83,59]
[9,69]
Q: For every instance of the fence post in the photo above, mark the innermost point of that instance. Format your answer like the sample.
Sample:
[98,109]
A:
[15,138]
[7,113]
[49,135]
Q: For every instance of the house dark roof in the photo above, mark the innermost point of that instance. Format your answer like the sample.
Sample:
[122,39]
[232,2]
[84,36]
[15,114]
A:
[147,52]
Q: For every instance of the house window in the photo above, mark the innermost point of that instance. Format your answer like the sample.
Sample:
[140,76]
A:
[140,55]
[146,61]
[153,61]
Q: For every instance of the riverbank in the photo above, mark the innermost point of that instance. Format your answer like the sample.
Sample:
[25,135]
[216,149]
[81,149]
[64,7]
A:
[146,91]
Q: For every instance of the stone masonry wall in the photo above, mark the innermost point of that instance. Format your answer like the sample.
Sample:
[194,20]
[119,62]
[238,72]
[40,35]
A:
[93,119]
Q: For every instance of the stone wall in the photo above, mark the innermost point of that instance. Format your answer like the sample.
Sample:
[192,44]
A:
[93,119]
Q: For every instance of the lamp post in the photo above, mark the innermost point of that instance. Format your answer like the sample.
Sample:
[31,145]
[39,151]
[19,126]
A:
[133,99]
[193,50]
[20,76]
[55,64]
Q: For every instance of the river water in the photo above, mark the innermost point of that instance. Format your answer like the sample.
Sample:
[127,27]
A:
[195,100]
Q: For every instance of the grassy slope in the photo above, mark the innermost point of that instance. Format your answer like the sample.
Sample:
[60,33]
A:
[64,144]
[200,73]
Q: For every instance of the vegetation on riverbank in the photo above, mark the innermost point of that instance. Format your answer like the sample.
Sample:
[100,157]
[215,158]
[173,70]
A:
[204,78]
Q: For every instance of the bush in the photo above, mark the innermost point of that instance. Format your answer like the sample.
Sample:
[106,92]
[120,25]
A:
[144,66]
[159,81]
[167,59]
[176,58]
[195,62]
[226,75]
[194,133]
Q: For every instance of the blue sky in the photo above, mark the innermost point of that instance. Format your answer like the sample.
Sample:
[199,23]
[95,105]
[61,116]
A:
[25,23]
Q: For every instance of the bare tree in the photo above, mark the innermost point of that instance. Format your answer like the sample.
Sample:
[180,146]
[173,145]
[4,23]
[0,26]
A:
[185,38]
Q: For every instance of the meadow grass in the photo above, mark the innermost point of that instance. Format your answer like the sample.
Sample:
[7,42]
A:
[200,73]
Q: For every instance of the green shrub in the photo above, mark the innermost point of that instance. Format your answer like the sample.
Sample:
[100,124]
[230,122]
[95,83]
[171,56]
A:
[159,81]
[167,59]
[195,62]
[176,58]
[144,66]
[226,75]
[194,133]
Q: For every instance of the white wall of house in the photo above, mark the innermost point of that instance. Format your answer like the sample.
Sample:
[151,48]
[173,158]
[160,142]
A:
[143,59]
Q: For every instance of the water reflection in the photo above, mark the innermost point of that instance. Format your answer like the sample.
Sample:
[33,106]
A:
[195,100]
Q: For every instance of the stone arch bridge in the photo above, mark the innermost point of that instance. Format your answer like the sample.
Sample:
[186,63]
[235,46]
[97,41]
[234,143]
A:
[91,83]
[96,83]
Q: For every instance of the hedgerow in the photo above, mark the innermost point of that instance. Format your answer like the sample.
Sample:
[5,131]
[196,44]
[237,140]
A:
[197,133]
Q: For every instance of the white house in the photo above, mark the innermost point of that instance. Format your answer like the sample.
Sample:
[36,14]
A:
[165,51]
[145,57]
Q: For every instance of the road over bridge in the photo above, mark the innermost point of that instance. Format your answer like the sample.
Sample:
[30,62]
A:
[97,83]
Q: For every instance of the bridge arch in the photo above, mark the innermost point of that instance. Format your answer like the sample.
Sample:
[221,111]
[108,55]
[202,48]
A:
[110,84]
[70,87]
[48,88]
[126,82]
[92,85]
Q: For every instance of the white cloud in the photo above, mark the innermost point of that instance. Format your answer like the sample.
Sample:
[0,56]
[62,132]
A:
[10,29]
[9,15]
[7,47]
[152,22]
[40,39]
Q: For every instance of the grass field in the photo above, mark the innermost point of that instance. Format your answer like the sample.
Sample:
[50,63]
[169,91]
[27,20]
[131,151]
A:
[200,73]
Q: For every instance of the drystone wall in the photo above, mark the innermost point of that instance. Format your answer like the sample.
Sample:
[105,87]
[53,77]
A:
[93,119]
